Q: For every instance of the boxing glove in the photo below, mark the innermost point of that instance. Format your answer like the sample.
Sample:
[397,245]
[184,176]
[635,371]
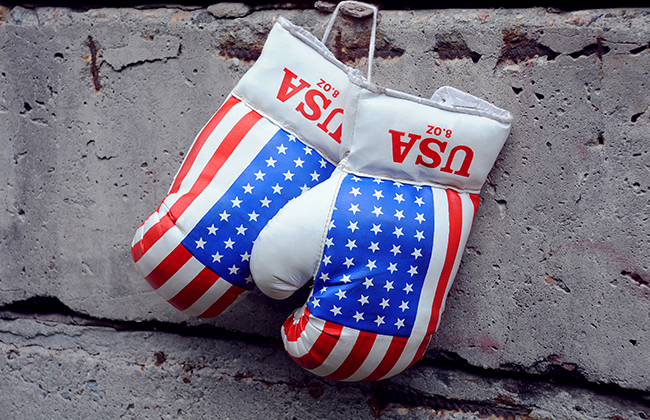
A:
[382,238]
[277,135]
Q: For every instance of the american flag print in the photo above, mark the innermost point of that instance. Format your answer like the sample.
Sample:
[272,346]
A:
[194,250]
[389,258]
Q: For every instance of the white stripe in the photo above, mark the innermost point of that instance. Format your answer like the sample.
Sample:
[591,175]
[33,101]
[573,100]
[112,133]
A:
[182,278]
[211,144]
[202,304]
[375,357]
[437,262]
[468,218]
[307,338]
[339,353]
[159,251]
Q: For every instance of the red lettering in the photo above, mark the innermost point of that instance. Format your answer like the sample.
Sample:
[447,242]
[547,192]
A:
[467,161]
[426,150]
[400,148]
[311,103]
[336,135]
[287,89]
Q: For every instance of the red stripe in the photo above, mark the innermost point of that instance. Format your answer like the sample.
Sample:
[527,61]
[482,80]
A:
[168,267]
[357,356]
[391,357]
[475,200]
[292,331]
[200,141]
[455,229]
[322,347]
[220,156]
[223,302]
[194,289]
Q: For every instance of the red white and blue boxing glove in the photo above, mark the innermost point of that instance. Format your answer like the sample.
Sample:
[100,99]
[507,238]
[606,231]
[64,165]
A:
[383,236]
[278,134]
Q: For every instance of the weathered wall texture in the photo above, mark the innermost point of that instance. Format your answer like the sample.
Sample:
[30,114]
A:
[550,312]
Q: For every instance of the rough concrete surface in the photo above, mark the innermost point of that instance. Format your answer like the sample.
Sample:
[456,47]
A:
[548,316]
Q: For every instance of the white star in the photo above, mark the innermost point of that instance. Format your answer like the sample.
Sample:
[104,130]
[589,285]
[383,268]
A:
[419,235]
[248,189]
[241,230]
[346,279]
[249,279]
[379,320]
[245,256]
[259,175]
[396,250]
[420,218]
[200,243]
[417,253]
[353,226]
[229,243]
[397,184]
[298,162]
[378,194]
[412,271]
[356,178]
[236,202]
[327,260]
[377,180]
[371,264]
[304,188]
[265,202]
[377,211]
[288,176]
[355,191]
[384,303]
[322,290]
[212,230]
[314,176]
[363,300]
[316,302]
[307,150]
[292,138]
[277,189]
[323,163]
[392,267]
[282,149]
[341,294]
[358,316]
[374,246]
[408,289]
[216,257]
[351,244]
[368,283]
[399,324]
[398,232]
[335,310]
[376,228]
[348,262]
[399,214]
[388,286]
[404,306]
[419,201]
[270,162]
[324,276]
[224,216]
[234,269]
[329,242]
[252,216]
[399,198]
[354,208]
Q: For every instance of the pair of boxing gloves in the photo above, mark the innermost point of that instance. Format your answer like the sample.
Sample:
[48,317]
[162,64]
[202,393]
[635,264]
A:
[309,171]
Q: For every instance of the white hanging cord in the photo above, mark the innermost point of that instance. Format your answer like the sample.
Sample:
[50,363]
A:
[373,34]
